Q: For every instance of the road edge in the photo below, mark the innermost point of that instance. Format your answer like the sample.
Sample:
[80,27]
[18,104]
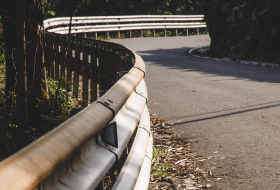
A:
[262,64]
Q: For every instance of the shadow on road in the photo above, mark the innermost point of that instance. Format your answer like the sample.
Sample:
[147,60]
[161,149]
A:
[179,58]
[240,111]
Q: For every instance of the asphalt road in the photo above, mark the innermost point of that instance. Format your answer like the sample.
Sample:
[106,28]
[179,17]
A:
[228,110]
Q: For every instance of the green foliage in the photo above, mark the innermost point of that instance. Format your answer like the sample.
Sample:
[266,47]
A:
[158,153]
[167,13]
[8,142]
[2,54]
[2,50]
[147,33]
[119,7]
[65,103]
[55,114]
[160,167]
[2,76]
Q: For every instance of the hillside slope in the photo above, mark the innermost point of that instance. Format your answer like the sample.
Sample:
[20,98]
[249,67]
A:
[244,29]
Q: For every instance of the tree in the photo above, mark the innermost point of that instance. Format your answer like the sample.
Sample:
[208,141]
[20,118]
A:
[23,39]
[23,42]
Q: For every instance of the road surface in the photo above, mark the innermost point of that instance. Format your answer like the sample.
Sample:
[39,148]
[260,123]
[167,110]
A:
[228,110]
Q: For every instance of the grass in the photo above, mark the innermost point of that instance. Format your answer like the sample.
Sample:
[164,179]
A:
[160,167]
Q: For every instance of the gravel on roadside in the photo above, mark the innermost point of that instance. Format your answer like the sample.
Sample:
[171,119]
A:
[174,164]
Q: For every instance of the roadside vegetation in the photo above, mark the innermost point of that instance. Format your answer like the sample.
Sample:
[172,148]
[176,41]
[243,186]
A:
[146,33]
[51,117]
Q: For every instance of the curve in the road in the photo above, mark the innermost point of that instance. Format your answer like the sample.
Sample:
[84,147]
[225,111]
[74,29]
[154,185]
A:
[230,111]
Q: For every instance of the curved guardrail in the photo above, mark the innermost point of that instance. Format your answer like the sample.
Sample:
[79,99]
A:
[125,23]
[74,154]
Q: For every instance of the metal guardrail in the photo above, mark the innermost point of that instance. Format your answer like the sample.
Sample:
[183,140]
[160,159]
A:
[125,23]
[74,154]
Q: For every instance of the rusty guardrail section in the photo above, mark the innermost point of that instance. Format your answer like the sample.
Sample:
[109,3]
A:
[97,62]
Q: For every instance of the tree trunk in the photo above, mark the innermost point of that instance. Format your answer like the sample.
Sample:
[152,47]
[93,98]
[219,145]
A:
[8,17]
[21,87]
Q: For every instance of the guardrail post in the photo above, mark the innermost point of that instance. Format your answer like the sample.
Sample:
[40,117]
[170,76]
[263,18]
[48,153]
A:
[85,35]
[154,31]
[141,33]
[95,35]
[119,33]
[93,72]
[197,30]
[76,69]
[85,67]
[108,35]
[187,30]
[176,31]
[130,32]
[164,32]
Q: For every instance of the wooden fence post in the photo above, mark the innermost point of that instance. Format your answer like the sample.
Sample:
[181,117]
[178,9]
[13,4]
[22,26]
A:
[106,66]
[126,62]
[57,58]
[62,54]
[102,68]
[93,71]
[76,68]
[48,54]
[115,67]
[110,68]
[52,59]
[120,54]
[85,72]
[69,60]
